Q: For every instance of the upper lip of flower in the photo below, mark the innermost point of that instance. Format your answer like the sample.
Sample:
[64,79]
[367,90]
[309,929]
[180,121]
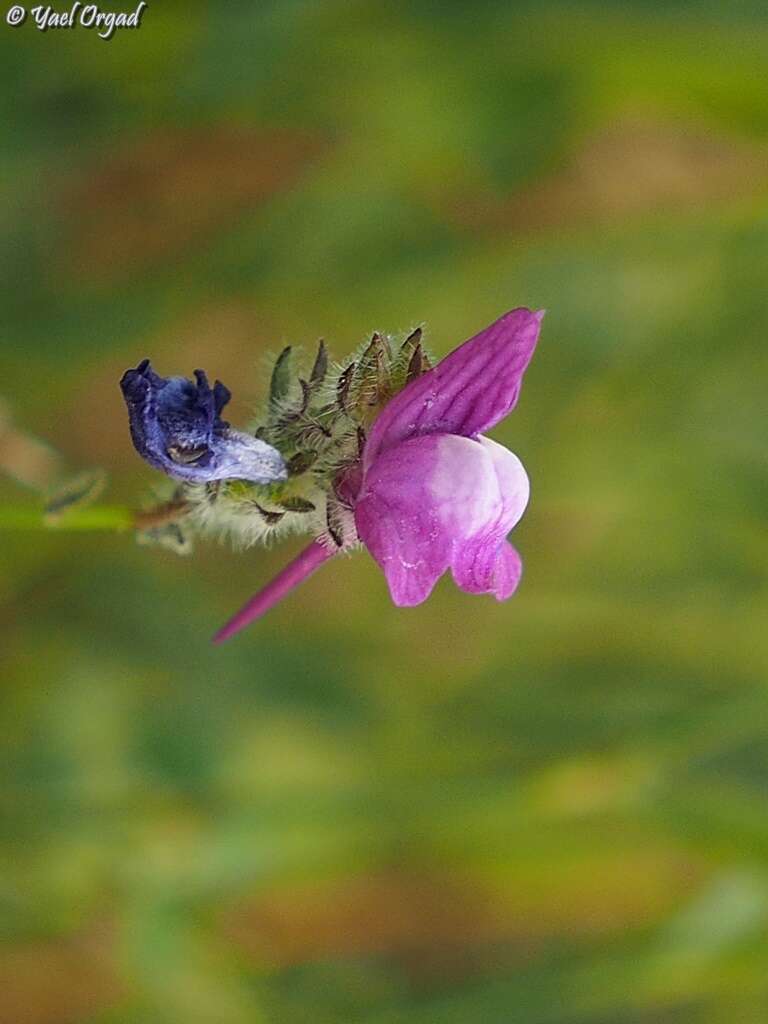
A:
[468,392]
[176,426]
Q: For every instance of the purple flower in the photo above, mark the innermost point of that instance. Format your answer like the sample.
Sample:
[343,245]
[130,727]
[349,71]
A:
[430,493]
[176,426]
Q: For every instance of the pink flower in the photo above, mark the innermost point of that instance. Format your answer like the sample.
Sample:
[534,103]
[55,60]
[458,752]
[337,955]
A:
[430,493]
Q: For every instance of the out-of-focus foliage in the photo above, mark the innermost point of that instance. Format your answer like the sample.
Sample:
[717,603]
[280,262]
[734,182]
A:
[552,811]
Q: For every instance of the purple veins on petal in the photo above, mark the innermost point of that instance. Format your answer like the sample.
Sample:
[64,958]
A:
[468,392]
[176,426]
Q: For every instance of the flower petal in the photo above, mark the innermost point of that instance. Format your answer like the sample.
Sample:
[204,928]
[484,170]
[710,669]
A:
[514,486]
[487,563]
[509,569]
[468,392]
[436,502]
[176,426]
[485,566]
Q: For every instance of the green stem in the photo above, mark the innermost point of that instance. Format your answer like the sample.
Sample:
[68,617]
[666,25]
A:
[114,518]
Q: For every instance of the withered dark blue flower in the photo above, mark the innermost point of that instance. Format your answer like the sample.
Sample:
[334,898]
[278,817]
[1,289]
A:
[176,426]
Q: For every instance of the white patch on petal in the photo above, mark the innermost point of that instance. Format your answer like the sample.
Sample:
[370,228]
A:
[513,482]
[464,486]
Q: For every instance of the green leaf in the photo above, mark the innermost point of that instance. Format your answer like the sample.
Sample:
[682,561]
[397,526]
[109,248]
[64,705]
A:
[169,536]
[281,376]
[296,505]
[320,367]
[300,463]
[77,492]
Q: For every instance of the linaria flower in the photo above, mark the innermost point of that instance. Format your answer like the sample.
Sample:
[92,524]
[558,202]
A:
[176,426]
[419,485]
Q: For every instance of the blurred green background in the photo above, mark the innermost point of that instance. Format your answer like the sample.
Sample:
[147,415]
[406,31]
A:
[552,810]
